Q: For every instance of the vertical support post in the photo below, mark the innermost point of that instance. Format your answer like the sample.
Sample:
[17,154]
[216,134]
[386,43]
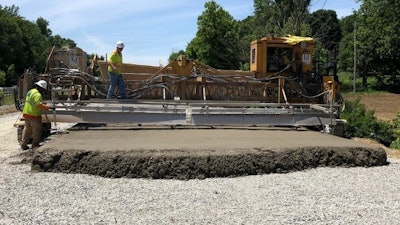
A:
[53,102]
[355,56]
[163,94]
[204,93]
[281,84]
[188,115]
[329,128]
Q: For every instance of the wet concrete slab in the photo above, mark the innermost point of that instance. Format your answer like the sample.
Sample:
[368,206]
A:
[199,153]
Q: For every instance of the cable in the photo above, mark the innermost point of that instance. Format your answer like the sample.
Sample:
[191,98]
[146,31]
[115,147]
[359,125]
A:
[161,80]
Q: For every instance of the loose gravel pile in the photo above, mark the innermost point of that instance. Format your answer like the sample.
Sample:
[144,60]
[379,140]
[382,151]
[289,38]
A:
[317,196]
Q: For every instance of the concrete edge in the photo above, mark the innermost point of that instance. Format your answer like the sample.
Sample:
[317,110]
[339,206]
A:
[117,164]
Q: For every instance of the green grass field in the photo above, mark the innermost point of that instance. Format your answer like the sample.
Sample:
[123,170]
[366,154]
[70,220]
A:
[347,84]
[7,100]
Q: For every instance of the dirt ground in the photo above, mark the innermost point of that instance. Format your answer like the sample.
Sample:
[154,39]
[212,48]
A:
[7,109]
[385,105]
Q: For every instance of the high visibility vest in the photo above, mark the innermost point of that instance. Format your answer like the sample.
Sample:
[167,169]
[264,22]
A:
[116,59]
[32,100]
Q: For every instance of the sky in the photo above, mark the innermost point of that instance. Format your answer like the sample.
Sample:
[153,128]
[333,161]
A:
[150,29]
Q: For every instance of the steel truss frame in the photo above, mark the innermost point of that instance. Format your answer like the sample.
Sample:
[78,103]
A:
[193,113]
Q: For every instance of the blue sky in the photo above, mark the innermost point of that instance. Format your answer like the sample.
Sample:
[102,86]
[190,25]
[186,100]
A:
[150,29]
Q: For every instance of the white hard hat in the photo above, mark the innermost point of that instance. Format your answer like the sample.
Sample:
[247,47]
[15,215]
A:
[42,84]
[120,44]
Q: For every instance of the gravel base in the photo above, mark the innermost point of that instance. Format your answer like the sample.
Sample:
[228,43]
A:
[317,196]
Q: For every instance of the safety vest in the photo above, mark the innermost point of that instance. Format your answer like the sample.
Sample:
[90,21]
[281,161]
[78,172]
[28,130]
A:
[32,100]
[116,59]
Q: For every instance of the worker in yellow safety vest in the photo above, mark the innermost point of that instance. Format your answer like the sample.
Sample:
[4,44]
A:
[32,114]
[114,72]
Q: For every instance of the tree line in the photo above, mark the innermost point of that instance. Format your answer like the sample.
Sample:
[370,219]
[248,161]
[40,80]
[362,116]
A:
[223,42]
[373,30]
[24,44]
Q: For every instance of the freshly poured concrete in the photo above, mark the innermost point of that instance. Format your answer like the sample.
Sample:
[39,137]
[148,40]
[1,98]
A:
[198,153]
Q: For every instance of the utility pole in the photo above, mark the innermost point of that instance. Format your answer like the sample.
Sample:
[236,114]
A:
[355,55]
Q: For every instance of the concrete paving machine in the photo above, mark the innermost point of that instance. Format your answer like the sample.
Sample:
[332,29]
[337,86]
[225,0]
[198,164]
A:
[281,89]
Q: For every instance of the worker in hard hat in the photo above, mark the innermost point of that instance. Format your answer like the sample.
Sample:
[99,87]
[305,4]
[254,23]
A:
[114,72]
[32,114]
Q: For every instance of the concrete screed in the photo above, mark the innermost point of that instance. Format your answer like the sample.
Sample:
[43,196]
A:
[163,153]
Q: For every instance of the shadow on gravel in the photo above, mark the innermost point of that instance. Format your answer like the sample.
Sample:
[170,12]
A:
[180,166]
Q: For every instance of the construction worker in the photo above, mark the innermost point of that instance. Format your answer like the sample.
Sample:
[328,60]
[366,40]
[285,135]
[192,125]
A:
[32,113]
[114,71]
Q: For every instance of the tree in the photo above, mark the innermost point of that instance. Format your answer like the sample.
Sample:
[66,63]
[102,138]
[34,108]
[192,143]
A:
[2,78]
[262,16]
[378,45]
[216,40]
[31,52]
[282,17]
[9,10]
[346,46]
[193,49]
[60,42]
[325,28]
[296,11]
[246,36]
[21,45]
[43,26]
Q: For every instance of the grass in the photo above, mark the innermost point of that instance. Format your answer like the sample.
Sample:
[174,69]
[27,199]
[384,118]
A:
[7,105]
[7,100]
[347,85]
